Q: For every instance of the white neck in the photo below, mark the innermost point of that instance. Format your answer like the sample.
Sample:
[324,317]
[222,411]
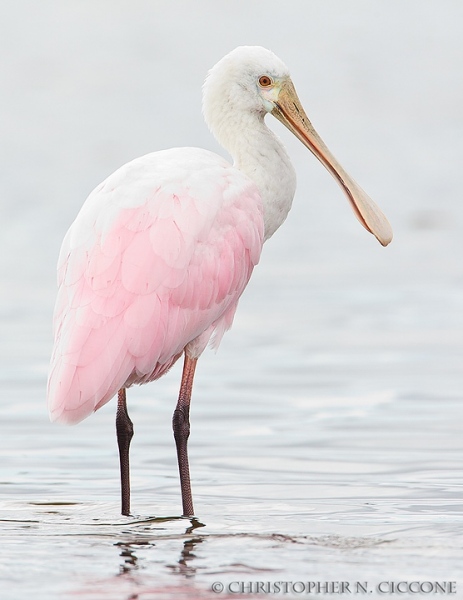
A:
[259,154]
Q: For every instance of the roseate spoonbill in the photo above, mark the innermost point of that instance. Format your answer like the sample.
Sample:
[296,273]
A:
[161,251]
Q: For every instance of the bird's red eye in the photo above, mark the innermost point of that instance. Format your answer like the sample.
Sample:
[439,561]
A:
[265,81]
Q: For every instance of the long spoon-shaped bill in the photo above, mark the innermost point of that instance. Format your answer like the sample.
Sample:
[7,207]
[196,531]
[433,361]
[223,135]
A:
[289,111]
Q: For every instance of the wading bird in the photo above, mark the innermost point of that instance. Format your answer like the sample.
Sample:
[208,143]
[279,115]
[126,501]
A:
[154,264]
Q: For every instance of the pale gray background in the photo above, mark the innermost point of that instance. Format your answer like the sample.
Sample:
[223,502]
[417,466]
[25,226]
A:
[326,433]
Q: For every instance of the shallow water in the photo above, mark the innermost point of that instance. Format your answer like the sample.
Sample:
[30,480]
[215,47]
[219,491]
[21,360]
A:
[326,432]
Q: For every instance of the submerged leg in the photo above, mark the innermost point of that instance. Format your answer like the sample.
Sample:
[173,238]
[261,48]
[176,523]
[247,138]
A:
[124,429]
[181,427]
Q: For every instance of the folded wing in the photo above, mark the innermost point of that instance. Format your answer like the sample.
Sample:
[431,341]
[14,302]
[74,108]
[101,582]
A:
[157,258]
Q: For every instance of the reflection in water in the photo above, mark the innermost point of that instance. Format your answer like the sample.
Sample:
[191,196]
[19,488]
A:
[186,557]
[130,559]
[195,524]
[130,562]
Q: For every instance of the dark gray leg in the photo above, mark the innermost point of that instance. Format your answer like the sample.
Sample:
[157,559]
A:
[181,427]
[124,429]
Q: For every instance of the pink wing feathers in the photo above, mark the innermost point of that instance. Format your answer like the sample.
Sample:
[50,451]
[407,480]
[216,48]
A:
[156,259]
